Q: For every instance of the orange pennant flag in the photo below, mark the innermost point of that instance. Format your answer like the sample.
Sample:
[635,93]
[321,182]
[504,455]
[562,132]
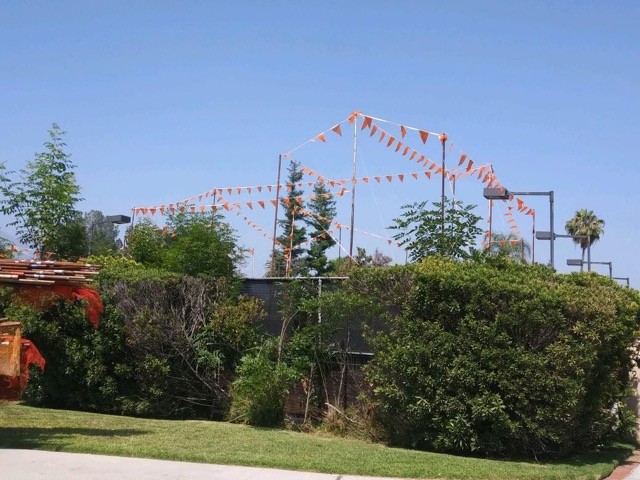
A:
[424,136]
[229,191]
[373,130]
[192,208]
[470,165]
[269,187]
[390,142]
[250,205]
[422,157]
[398,146]
[377,179]
[403,131]
[313,196]
[337,130]
[367,122]
[239,190]
[389,177]
[202,208]
[299,199]
[214,208]
[321,137]
[162,208]
[382,135]
[439,170]
[153,211]
[365,179]
[414,175]
[200,197]
[287,155]
[406,150]
[273,202]
[432,166]
[462,159]
[248,189]
[401,177]
[172,209]
[413,155]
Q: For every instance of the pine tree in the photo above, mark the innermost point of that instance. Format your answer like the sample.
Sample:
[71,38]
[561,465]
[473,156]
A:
[289,258]
[323,207]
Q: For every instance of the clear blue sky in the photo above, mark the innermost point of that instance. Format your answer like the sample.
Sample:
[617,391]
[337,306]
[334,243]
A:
[163,100]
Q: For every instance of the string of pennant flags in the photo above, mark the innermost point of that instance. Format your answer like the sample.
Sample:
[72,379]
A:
[399,143]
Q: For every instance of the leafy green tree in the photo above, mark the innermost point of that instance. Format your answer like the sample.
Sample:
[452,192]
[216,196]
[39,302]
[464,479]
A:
[102,236]
[511,246]
[43,196]
[419,230]
[323,207]
[201,245]
[289,258]
[585,222]
[71,239]
[146,243]
[342,266]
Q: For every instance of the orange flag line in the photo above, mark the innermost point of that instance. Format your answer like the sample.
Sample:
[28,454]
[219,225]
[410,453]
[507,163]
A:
[403,128]
[322,136]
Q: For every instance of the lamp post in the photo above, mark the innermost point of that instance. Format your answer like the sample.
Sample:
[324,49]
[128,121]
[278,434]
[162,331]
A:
[504,194]
[548,236]
[576,262]
[623,278]
[115,219]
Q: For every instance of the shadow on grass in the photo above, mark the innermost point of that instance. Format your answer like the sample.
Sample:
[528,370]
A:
[617,453]
[16,437]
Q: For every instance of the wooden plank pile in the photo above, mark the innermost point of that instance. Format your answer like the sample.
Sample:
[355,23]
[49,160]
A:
[30,272]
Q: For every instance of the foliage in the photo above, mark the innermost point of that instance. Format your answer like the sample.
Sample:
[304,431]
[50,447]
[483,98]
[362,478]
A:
[341,266]
[72,242]
[102,235]
[260,388]
[167,345]
[42,199]
[498,358]
[146,243]
[585,222]
[196,244]
[323,207]
[511,246]
[420,230]
[289,258]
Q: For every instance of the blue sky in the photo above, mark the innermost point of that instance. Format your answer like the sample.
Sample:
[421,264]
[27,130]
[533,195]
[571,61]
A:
[164,100]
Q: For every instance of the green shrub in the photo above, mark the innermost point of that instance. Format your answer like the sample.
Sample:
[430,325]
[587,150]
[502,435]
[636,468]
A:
[260,389]
[498,358]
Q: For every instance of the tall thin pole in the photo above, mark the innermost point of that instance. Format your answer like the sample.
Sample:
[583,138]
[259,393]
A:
[443,139]
[553,235]
[588,253]
[353,183]
[611,270]
[533,240]
[490,215]
[275,219]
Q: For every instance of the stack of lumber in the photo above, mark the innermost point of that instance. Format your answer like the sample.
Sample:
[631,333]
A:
[29,272]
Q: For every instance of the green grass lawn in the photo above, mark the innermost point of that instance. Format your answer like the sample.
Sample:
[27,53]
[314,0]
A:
[224,443]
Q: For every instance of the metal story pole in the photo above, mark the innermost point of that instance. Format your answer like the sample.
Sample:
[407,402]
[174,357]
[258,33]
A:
[275,219]
[610,270]
[553,234]
[588,253]
[443,139]
[533,239]
[353,183]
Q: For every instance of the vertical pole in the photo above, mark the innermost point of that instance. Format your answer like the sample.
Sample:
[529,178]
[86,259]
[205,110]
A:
[443,139]
[610,270]
[490,213]
[214,196]
[275,220]
[340,243]
[553,234]
[353,183]
[588,253]
[533,240]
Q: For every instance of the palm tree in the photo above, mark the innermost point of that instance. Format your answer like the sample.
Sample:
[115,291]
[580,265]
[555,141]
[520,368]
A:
[510,245]
[585,222]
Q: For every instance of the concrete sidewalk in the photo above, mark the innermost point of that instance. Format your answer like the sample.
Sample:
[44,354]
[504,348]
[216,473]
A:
[36,464]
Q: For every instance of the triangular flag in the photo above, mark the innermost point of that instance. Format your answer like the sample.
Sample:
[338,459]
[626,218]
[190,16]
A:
[373,131]
[398,146]
[424,136]
[273,202]
[414,175]
[248,189]
[321,137]
[377,179]
[269,187]
[390,142]
[162,208]
[403,131]
[462,159]
[422,157]
[239,190]
[389,177]
[413,155]
[432,166]
[365,179]
[367,122]
[406,150]
[470,165]
[229,191]
[202,208]
[439,170]
[382,135]
[401,177]
[250,205]
[192,208]
[337,129]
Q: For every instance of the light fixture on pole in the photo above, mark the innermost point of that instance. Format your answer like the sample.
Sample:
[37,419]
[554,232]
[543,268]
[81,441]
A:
[576,262]
[504,194]
[542,235]
[623,278]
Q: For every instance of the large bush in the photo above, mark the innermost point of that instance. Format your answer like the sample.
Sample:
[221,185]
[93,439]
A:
[167,345]
[498,358]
